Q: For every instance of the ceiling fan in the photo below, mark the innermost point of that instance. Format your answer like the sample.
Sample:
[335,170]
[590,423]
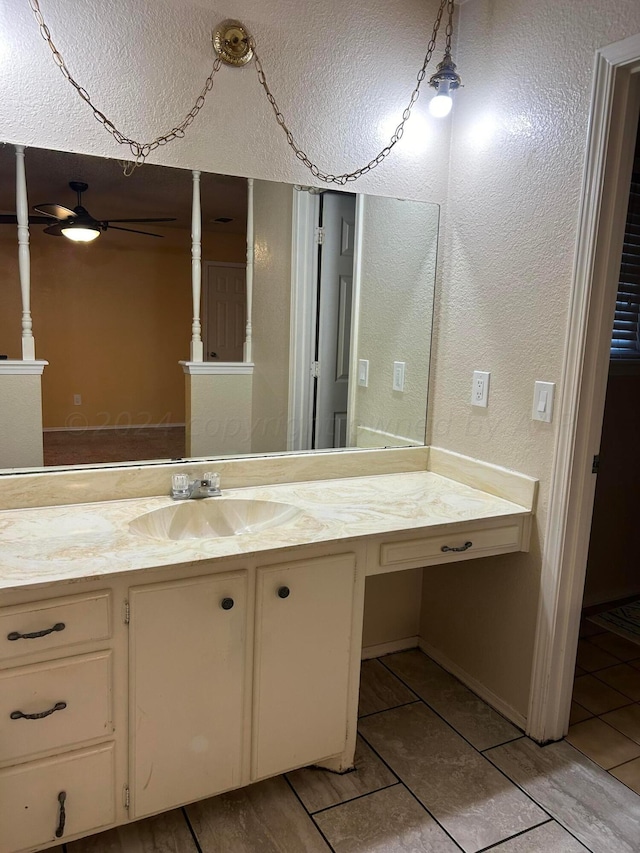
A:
[78,224]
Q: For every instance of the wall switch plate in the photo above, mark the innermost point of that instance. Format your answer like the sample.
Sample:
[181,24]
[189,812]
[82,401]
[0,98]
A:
[398,375]
[480,388]
[363,372]
[543,401]
[77,399]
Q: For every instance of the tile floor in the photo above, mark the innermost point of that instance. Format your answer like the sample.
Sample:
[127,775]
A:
[437,771]
[605,712]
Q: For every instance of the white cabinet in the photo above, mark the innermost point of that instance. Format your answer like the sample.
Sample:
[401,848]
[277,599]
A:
[56,703]
[186,659]
[303,642]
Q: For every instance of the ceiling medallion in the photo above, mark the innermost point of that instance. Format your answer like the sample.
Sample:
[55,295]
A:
[231,42]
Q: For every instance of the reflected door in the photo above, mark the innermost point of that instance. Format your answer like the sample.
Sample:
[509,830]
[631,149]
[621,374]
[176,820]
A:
[225,312]
[334,320]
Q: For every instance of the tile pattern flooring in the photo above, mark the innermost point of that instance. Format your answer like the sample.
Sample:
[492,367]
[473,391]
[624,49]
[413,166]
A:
[605,712]
[437,771]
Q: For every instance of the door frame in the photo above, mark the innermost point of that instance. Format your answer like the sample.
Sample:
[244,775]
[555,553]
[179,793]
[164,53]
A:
[609,156]
[204,312]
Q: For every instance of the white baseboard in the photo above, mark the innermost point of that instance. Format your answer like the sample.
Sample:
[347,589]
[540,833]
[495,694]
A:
[473,684]
[389,648]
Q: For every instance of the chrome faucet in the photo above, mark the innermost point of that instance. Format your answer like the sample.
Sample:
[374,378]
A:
[183,488]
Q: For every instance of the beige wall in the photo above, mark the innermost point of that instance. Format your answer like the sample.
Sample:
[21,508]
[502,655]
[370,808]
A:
[399,244]
[391,607]
[218,414]
[271,309]
[20,421]
[515,176]
[113,318]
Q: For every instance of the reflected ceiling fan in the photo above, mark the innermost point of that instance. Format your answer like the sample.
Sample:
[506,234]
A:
[78,224]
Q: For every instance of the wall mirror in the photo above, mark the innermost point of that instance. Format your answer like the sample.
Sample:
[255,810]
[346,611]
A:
[317,337]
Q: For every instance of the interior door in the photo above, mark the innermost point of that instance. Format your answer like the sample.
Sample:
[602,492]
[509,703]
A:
[334,320]
[225,312]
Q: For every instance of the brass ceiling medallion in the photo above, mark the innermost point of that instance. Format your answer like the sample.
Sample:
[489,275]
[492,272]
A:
[231,42]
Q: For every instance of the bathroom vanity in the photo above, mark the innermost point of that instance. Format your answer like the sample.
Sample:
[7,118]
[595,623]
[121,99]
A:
[150,657]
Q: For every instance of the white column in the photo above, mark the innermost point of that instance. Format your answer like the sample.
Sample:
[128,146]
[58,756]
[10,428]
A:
[197,353]
[250,254]
[24,257]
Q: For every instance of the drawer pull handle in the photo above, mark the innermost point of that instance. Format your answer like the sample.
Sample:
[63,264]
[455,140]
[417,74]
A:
[283,592]
[464,547]
[227,603]
[14,635]
[18,715]
[62,796]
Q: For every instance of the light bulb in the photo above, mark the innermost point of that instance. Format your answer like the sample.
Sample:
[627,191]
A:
[79,234]
[440,105]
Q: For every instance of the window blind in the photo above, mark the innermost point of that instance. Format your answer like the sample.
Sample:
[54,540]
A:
[625,339]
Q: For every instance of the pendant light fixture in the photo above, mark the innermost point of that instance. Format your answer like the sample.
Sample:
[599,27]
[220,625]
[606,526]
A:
[446,79]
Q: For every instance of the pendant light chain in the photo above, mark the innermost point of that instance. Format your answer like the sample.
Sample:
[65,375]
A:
[141,150]
[347,177]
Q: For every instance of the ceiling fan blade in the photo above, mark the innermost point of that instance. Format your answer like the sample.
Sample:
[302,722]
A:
[12,219]
[57,211]
[54,230]
[133,231]
[164,219]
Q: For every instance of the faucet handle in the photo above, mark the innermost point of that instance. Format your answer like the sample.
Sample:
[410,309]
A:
[180,485]
[211,482]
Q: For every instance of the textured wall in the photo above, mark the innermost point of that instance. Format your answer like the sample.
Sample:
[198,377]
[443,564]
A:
[20,421]
[518,145]
[144,63]
[273,205]
[399,245]
[218,414]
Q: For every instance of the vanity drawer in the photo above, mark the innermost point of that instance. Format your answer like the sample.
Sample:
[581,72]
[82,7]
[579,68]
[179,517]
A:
[460,544]
[30,810]
[73,693]
[44,625]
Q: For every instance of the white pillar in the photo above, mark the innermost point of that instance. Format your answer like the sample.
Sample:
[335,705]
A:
[197,353]
[24,257]
[250,254]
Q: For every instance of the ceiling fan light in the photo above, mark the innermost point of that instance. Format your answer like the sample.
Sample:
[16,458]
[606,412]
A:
[80,233]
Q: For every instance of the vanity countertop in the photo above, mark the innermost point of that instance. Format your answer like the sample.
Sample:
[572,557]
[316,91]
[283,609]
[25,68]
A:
[81,541]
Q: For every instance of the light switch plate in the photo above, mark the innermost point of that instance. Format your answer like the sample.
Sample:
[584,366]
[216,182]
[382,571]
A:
[398,375]
[543,401]
[363,372]
[77,399]
[480,388]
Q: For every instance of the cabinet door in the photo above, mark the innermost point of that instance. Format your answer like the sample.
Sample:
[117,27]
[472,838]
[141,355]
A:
[187,655]
[302,662]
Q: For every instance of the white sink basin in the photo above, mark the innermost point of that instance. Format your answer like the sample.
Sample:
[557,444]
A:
[212,518]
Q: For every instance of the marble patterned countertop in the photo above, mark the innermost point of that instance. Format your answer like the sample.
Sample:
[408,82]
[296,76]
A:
[51,544]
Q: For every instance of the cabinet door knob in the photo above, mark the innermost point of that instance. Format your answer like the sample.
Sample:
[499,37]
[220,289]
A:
[227,603]
[283,592]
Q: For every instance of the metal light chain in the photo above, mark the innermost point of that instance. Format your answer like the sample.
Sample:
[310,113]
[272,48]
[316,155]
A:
[139,150]
[398,132]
